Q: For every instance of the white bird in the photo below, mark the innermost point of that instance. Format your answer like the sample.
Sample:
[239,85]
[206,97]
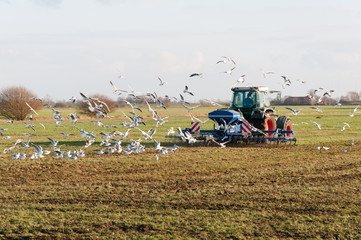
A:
[317,109]
[190,108]
[195,119]
[226,59]
[115,89]
[294,112]
[315,123]
[182,99]
[53,143]
[212,102]
[186,90]
[29,126]
[265,74]
[170,131]
[72,99]
[229,71]
[157,145]
[32,109]
[222,145]
[351,114]
[189,138]
[161,82]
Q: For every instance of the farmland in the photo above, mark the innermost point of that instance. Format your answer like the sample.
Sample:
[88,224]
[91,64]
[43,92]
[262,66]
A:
[241,191]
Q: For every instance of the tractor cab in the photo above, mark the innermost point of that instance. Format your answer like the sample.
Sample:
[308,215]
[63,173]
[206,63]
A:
[251,101]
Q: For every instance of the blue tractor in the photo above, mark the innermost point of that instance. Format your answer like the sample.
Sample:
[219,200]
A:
[249,118]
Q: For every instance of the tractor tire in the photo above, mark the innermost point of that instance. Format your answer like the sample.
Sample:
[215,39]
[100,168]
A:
[266,124]
[284,123]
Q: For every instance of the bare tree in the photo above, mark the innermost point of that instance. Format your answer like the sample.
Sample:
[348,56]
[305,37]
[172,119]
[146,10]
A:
[353,96]
[13,103]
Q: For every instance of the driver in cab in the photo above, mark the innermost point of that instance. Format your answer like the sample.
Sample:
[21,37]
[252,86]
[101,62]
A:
[248,102]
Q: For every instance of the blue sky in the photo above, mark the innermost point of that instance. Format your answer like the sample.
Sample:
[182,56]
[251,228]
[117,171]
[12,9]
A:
[61,47]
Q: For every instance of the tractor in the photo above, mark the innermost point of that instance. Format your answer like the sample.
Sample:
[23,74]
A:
[249,118]
[254,104]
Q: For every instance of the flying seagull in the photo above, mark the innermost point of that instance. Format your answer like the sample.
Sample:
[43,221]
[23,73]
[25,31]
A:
[196,75]
[32,109]
[294,112]
[186,90]
[161,82]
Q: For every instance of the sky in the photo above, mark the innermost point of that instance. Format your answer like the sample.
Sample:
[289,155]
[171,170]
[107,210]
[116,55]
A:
[58,48]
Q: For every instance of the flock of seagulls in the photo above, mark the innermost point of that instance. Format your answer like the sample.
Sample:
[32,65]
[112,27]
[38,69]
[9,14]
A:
[112,140]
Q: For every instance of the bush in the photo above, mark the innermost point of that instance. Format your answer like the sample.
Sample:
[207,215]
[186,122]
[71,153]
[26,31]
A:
[13,103]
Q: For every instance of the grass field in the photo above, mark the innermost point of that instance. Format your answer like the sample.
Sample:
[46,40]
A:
[245,191]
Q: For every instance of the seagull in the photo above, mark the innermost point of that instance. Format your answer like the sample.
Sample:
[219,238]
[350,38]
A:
[315,123]
[182,99]
[212,102]
[229,71]
[32,109]
[189,138]
[72,99]
[294,112]
[170,131]
[317,90]
[194,119]
[240,80]
[222,145]
[53,143]
[157,145]
[161,82]
[190,108]
[196,75]
[115,89]
[317,109]
[226,59]
[66,134]
[351,114]
[29,126]
[328,93]
[265,74]
[133,106]
[186,90]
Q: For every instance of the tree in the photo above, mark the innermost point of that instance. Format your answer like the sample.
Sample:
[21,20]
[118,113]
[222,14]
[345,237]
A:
[353,96]
[13,103]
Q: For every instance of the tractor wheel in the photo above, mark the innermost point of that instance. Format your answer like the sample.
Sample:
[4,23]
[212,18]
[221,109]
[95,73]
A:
[266,124]
[284,123]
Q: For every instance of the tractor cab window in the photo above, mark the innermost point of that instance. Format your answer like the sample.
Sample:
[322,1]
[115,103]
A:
[244,99]
[263,100]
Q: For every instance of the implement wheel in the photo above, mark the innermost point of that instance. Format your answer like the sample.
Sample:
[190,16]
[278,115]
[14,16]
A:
[284,123]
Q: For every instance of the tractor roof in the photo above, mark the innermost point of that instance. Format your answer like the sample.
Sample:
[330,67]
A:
[256,89]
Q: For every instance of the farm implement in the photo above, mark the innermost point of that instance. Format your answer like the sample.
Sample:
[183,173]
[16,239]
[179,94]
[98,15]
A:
[249,119]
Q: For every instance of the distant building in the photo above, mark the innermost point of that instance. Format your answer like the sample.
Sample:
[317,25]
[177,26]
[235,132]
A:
[298,101]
